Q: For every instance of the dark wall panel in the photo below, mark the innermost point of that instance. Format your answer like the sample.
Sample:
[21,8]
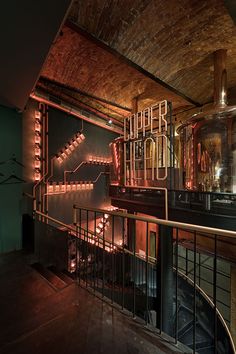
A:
[62,127]
[10,188]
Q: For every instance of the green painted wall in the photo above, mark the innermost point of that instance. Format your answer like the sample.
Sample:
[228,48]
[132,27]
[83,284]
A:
[11,190]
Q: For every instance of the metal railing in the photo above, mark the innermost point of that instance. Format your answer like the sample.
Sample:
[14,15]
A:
[207,202]
[154,289]
[115,261]
[205,276]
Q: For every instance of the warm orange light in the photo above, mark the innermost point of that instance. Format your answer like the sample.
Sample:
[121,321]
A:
[37,126]
[37,163]
[37,138]
[37,150]
[37,175]
[37,114]
[57,188]
[99,160]
[59,159]
[75,143]
[64,155]
[68,151]
[70,147]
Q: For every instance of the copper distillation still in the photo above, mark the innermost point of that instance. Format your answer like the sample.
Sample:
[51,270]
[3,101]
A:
[208,140]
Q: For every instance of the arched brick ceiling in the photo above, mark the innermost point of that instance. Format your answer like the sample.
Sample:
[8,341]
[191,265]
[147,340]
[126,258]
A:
[78,63]
[173,40]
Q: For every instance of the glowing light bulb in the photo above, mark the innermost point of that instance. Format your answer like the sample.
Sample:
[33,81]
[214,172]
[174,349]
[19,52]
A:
[78,139]
[37,114]
[67,151]
[75,143]
[37,126]
[82,137]
[59,159]
[64,155]
[37,175]
[37,163]
[37,150]
[37,138]
[62,188]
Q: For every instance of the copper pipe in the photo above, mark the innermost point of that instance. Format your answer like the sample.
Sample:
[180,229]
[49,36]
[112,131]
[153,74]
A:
[220,78]
[134,104]
[75,113]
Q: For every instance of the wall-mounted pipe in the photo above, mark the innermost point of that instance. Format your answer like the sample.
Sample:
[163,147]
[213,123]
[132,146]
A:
[75,113]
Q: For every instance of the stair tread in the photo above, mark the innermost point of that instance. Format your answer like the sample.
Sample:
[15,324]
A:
[62,275]
[49,276]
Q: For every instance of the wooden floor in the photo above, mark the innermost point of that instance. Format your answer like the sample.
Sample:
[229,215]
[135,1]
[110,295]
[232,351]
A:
[37,318]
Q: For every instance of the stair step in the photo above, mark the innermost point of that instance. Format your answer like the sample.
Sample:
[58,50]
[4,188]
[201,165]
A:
[52,278]
[62,275]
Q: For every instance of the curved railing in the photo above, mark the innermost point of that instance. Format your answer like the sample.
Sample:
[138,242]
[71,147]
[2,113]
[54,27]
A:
[120,273]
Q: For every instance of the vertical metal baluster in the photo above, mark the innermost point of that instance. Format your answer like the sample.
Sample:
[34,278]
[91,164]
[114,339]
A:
[80,248]
[214,293]
[176,284]
[134,271]
[199,269]
[147,236]
[98,256]
[113,256]
[95,252]
[103,259]
[87,248]
[123,261]
[186,262]
[194,294]
[161,284]
[76,253]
